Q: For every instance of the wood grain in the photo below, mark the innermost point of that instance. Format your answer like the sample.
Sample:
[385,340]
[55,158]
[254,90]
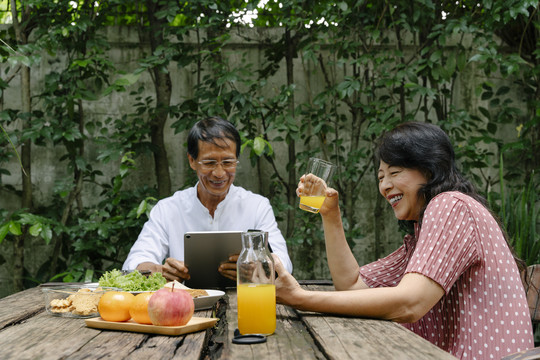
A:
[129,345]
[11,310]
[351,338]
[27,332]
[290,341]
[44,336]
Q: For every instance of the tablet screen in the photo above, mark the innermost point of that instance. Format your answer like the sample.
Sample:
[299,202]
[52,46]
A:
[204,251]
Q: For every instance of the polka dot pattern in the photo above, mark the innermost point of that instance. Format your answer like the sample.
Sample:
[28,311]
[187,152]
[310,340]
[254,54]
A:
[484,313]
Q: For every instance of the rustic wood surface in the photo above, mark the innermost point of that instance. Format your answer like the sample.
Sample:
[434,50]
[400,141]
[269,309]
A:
[353,338]
[290,341]
[12,310]
[28,332]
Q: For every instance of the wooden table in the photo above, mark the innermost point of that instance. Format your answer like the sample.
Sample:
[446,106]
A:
[28,332]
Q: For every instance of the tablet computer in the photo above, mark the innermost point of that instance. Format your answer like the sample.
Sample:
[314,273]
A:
[204,251]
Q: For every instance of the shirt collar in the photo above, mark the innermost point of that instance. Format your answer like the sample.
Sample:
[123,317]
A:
[230,194]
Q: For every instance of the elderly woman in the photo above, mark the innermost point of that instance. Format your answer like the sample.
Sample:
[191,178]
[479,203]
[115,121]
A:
[454,282]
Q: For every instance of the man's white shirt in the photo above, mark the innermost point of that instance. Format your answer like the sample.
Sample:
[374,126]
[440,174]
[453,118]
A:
[162,235]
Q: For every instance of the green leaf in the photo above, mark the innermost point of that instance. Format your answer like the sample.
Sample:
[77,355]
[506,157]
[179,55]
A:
[486,95]
[81,163]
[27,218]
[248,143]
[124,169]
[46,234]
[270,148]
[4,231]
[485,112]
[35,229]
[127,80]
[478,57]
[503,90]
[81,63]
[492,127]
[461,60]
[141,209]
[343,6]
[15,228]
[258,145]
[436,56]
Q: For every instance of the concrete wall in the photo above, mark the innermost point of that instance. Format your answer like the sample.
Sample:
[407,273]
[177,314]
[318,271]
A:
[125,51]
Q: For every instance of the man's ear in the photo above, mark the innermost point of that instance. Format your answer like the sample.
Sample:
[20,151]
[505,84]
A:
[192,162]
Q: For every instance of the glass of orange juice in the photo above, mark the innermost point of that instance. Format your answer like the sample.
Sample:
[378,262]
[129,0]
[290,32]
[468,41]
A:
[313,197]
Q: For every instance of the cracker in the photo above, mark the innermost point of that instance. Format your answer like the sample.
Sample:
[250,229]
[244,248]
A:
[84,302]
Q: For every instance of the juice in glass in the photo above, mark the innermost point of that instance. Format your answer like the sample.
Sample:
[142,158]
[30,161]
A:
[311,203]
[256,308]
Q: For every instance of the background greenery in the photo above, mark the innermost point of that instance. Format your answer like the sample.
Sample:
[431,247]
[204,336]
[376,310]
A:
[383,63]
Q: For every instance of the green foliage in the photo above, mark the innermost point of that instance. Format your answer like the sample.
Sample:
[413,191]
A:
[377,64]
[517,206]
[521,220]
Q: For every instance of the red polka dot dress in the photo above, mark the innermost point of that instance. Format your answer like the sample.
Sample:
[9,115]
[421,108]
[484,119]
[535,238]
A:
[484,312]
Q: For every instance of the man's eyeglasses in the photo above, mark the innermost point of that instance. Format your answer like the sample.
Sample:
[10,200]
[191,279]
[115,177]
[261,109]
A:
[212,164]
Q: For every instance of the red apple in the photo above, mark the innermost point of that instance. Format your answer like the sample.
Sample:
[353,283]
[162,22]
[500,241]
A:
[170,307]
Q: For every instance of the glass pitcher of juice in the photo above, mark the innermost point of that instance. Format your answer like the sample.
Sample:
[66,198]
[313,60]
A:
[256,292]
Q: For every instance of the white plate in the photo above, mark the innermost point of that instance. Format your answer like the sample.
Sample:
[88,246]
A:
[90,285]
[206,302]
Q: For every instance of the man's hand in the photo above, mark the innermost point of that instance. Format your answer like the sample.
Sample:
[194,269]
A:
[228,269]
[175,270]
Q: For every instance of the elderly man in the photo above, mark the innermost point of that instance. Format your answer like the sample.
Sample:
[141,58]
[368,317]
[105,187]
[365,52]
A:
[213,204]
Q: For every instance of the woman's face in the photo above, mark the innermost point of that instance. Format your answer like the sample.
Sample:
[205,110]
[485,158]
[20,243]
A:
[400,186]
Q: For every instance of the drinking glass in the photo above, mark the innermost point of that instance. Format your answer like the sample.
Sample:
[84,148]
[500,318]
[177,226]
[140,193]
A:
[313,198]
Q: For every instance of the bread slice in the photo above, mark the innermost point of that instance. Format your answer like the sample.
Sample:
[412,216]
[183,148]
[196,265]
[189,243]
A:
[195,293]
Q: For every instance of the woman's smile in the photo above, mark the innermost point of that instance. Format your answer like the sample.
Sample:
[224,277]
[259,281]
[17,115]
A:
[394,199]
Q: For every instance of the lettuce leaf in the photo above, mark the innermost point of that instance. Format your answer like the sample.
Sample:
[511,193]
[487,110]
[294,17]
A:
[134,281]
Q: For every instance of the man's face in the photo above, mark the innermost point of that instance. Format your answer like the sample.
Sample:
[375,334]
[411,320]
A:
[215,167]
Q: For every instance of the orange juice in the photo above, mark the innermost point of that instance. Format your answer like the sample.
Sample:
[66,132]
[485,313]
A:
[256,308]
[311,203]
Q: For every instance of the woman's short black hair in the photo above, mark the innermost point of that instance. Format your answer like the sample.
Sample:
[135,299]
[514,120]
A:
[428,149]
[209,130]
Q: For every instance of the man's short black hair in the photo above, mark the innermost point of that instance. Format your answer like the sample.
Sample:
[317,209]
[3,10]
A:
[210,130]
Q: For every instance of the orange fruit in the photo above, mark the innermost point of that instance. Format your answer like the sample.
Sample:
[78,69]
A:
[139,308]
[114,305]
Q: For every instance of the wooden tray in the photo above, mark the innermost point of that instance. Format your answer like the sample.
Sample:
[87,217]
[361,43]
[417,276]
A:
[195,324]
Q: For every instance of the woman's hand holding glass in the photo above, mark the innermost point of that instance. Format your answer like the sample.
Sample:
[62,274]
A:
[318,175]
[311,185]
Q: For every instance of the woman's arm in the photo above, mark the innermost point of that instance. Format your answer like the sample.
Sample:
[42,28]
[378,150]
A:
[343,265]
[341,261]
[407,302]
